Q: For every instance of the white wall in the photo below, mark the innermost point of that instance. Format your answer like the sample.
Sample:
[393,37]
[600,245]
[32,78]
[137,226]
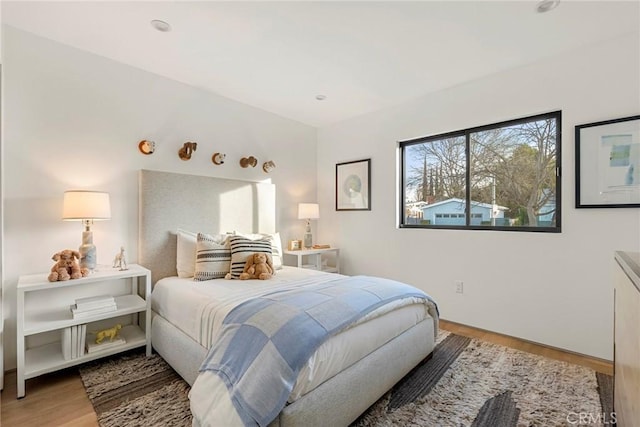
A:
[74,120]
[554,289]
[1,240]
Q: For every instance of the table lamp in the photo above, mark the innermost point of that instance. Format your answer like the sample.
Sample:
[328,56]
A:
[308,211]
[86,206]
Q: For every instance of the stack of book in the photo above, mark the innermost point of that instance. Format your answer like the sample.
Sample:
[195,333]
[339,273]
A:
[91,306]
[73,341]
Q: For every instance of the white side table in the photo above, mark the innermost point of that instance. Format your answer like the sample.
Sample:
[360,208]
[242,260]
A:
[313,259]
[43,310]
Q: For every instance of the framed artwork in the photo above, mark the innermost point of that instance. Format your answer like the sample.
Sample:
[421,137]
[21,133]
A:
[353,186]
[608,164]
[295,245]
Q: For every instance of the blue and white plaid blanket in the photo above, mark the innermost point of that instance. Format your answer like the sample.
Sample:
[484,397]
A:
[265,341]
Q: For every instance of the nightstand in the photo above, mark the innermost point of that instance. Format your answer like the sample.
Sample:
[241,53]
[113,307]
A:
[315,259]
[44,316]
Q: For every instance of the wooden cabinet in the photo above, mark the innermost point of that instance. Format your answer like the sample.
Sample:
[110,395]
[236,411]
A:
[626,352]
[44,312]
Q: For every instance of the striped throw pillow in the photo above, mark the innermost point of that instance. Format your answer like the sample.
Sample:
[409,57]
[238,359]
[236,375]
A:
[213,259]
[241,248]
[276,246]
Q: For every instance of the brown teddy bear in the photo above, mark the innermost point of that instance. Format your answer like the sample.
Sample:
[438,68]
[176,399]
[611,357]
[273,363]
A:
[258,266]
[66,266]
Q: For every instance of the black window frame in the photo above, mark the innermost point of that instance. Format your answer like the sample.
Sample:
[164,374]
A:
[557,115]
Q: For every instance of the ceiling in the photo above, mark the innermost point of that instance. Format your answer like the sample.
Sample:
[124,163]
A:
[363,56]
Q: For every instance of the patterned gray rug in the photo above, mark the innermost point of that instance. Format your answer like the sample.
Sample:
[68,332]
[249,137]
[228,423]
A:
[467,382]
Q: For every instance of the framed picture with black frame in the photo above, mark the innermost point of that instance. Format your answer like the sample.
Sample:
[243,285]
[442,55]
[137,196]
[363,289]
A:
[353,185]
[608,163]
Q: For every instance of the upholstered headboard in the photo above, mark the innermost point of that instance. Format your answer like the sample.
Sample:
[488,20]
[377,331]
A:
[169,201]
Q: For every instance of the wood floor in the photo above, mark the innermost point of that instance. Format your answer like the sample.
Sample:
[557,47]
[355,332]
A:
[58,399]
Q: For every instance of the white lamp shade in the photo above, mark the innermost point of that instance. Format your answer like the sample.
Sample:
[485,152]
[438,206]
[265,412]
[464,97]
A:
[82,205]
[308,211]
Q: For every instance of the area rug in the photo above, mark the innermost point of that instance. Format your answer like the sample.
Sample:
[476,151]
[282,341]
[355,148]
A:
[467,382]
[133,390]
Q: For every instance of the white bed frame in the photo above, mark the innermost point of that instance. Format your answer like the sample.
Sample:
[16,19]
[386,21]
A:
[169,201]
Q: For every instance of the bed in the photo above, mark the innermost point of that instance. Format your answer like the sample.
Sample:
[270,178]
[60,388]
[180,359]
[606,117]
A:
[348,373]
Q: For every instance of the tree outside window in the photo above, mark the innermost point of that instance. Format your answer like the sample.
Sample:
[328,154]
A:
[501,176]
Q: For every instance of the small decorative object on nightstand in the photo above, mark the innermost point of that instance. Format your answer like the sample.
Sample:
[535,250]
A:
[66,266]
[119,261]
[295,245]
[316,259]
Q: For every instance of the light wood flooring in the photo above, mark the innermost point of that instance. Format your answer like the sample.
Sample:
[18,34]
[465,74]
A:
[58,399]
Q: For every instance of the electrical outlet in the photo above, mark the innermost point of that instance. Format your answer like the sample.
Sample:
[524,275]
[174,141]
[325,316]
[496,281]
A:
[459,286]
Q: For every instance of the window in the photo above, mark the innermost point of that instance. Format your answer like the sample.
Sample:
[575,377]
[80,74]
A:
[504,176]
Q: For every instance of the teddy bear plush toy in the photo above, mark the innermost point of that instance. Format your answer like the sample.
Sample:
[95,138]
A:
[66,266]
[258,266]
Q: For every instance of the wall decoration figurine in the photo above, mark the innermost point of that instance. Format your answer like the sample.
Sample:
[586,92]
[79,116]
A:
[146,147]
[66,266]
[218,158]
[268,166]
[187,149]
[119,261]
[248,161]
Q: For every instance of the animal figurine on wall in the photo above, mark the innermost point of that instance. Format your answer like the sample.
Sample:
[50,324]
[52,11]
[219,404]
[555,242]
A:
[187,149]
[248,161]
[268,166]
[146,147]
[218,158]
[66,266]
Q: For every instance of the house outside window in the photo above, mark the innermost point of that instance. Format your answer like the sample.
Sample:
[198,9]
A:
[503,176]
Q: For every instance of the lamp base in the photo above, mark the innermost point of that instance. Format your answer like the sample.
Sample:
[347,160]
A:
[87,251]
[307,241]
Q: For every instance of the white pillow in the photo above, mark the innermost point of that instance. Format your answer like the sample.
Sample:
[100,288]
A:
[213,259]
[276,246]
[186,251]
[241,248]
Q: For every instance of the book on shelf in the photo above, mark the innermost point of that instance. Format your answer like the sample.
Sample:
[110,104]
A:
[74,342]
[89,303]
[82,337]
[65,343]
[92,347]
[82,314]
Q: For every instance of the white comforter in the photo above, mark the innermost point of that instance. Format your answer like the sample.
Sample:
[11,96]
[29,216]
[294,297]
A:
[199,308]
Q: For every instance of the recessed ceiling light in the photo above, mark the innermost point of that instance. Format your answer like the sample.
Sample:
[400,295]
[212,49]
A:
[321,97]
[161,25]
[547,5]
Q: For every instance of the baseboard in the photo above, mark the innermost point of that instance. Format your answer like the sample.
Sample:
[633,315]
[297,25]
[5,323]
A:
[575,353]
